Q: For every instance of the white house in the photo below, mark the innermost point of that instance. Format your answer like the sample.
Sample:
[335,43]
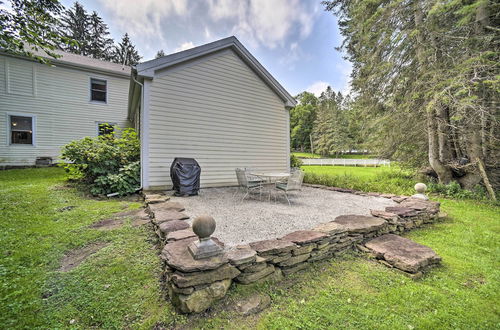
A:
[215,103]
[44,107]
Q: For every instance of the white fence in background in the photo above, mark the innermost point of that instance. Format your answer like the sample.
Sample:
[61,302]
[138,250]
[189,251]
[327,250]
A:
[345,162]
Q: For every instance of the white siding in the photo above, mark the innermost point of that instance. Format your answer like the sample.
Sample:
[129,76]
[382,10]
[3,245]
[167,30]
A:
[59,98]
[218,111]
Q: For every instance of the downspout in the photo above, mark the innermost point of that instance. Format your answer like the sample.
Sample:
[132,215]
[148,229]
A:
[141,105]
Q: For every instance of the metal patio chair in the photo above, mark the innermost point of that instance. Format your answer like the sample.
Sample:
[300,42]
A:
[248,182]
[294,183]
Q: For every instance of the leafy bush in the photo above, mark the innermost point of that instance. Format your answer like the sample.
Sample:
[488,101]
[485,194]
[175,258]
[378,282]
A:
[454,190]
[295,161]
[105,164]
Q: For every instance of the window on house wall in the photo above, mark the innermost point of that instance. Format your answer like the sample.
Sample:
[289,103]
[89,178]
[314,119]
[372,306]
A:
[98,90]
[21,130]
[105,128]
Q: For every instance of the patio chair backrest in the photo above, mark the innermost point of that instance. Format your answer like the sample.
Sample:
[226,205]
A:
[241,176]
[295,180]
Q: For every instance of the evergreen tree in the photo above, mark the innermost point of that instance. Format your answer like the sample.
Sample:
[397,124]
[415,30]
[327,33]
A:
[426,74]
[302,119]
[100,44]
[125,52]
[76,26]
[160,53]
[31,25]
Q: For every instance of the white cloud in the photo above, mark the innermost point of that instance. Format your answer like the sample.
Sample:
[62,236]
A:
[184,46]
[317,87]
[264,22]
[142,19]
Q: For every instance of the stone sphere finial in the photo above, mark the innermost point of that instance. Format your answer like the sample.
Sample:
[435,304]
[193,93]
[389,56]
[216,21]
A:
[203,226]
[420,187]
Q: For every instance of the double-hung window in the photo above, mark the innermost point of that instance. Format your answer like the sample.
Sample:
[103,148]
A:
[21,130]
[98,90]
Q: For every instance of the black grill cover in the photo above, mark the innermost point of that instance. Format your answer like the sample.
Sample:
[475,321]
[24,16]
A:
[185,175]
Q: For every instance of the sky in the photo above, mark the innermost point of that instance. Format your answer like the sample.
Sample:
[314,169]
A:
[295,40]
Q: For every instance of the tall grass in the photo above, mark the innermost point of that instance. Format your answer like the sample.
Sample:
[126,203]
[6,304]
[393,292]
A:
[396,182]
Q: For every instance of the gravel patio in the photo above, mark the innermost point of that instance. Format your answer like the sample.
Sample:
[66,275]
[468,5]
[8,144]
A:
[244,221]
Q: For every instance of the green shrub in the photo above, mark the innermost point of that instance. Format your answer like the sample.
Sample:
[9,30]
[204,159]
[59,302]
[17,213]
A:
[453,190]
[295,161]
[105,164]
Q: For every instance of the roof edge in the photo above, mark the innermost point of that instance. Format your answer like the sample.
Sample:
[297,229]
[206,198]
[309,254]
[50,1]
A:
[147,69]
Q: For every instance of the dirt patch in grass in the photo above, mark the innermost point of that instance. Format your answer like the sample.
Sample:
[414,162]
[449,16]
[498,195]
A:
[107,224]
[75,257]
[139,217]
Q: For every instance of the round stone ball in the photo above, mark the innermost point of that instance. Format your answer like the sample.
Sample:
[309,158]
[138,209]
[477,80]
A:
[203,226]
[420,187]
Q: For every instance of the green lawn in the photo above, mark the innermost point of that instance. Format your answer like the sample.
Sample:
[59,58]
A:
[119,286]
[346,156]
[371,179]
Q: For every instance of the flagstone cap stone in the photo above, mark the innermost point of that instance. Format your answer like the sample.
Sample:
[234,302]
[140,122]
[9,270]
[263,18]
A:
[272,246]
[241,254]
[171,226]
[402,253]
[402,211]
[391,217]
[177,256]
[330,228]
[302,237]
[360,223]
[180,235]
[168,215]
[173,206]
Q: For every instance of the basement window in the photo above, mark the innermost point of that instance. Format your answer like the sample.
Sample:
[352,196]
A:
[105,128]
[21,130]
[98,90]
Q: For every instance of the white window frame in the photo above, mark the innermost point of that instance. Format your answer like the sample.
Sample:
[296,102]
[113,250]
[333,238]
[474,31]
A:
[33,129]
[90,90]
[97,123]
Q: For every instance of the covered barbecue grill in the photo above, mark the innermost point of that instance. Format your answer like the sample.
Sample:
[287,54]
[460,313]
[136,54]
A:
[185,175]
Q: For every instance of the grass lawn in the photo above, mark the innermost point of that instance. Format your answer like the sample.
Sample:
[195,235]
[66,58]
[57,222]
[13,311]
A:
[346,156]
[371,179]
[118,287]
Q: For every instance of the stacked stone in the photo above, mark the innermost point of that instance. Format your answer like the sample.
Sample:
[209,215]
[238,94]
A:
[361,227]
[403,254]
[312,246]
[194,285]
[168,219]
[253,267]
[340,241]
[410,213]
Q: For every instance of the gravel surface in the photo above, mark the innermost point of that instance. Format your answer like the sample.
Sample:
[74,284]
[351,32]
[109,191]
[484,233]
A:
[240,222]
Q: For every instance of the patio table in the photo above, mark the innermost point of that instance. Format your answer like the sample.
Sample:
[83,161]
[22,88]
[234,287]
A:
[270,179]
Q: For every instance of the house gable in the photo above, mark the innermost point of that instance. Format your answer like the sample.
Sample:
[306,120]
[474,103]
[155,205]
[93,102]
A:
[218,110]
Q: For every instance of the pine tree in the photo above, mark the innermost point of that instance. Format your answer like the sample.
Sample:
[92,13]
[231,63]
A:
[426,74]
[100,44]
[160,53]
[76,26]
[125,52]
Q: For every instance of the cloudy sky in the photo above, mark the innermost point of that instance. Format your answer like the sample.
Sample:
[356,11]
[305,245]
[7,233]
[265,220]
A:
[293,39]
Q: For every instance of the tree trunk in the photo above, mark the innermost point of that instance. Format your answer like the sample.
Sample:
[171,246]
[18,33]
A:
[443,126]
[443,171]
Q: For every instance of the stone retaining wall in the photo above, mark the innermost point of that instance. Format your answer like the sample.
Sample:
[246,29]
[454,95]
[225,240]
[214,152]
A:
[194,285]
